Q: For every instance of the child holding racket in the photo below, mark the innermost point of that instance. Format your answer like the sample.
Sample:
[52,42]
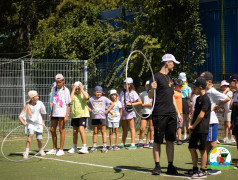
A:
[59,114]
[33,113]
[128,114]
[79,115]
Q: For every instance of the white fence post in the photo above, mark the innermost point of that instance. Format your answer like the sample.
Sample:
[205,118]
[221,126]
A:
[23,89]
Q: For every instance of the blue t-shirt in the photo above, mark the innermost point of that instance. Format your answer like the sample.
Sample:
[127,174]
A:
[186,91]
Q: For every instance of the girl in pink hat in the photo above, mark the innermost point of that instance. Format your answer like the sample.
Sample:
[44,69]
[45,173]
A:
[32,116]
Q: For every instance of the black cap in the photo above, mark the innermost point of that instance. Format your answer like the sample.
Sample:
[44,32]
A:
[178,82]
[207,75]
[200,82]
[234,77]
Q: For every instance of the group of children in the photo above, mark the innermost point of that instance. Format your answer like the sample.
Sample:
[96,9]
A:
[104,112]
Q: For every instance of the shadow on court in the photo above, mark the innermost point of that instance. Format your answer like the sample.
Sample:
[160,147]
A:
[104,174]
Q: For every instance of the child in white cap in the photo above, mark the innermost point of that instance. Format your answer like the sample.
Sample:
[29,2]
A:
[146,110]
[225,86]
[32,116]
[59,114]
[128,114]
[79,115]
[113,119]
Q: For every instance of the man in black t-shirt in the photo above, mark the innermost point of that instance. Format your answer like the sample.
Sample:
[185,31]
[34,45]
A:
[165,114]
[199,128]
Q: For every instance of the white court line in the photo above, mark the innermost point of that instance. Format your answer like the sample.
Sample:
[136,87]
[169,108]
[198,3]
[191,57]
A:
[109,167]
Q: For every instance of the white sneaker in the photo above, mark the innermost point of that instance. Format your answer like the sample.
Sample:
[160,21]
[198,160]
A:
[73,150]
[42,152]
[232,140]
[25,155]
[185,136]
[225,140]
[60,153]
[84,150]
[51,152]
[218,142]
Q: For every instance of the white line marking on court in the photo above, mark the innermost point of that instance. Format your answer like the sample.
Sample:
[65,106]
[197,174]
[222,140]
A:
[109,167]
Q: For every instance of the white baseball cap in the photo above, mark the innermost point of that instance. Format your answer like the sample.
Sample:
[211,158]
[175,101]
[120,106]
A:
[169,57]
[224,83]
[77,83]
[129,80]
[147,82]
[59,77]
[113,91]
[182,76]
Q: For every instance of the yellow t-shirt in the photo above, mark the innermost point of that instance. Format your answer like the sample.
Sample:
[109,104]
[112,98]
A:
[79,107]
[178,100]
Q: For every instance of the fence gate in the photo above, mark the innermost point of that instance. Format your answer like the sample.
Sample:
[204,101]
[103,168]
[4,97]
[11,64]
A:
[17,77]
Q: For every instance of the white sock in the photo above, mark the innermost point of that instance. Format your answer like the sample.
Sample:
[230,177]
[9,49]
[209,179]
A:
[75,145]
[141,141]
[105,144]
[133,144]
[94,144]
[41,149]
[151,141]
[27,150]
[84,145]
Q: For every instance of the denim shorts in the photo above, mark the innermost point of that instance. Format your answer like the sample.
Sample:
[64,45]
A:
[38,134]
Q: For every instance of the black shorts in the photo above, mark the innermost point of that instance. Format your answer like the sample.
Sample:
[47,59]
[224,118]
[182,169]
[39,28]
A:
[197,141]
[185,106]
[164,126]
[57,118]
[145,115]
[235,133]
[76,122]
[98,122]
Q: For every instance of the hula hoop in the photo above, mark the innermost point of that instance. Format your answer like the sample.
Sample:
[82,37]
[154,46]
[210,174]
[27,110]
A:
[27,158]
[153,104]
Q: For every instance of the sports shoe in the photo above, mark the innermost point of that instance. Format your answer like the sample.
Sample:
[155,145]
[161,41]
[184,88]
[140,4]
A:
[199,175]
[139,145]
[42,152]
[171,170]
[151,145]
[218,142]
[73,150]
[110,148]
[213,172]
[51,152]
[83,150]
[145,145]
[121,146]
[93,149]
[186,140]
[189,172]
[116,148]
[104,150]
[131,147]
[25,155]
[156,171]
[225,140]
[232,140]
[60,153]
[179,142]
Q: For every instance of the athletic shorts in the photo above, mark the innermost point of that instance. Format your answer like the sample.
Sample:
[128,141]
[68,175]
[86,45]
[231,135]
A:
[98,122]
[113,124]
[145,115]
[164,126]
[212,134]
[227,116]
[197,141]
[76,122]
[179,125]
[38,134]
[57,118]
[185,106]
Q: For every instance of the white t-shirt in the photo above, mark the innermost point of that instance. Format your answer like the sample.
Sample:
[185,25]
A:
[227,105]
[215,97]
[60,99]
[114,114]
[145,100]
[36,119]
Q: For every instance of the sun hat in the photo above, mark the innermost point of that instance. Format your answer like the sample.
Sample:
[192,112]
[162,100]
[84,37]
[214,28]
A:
[200,82]
[178,82]
[98,88]
[169,57]
[224,83]
[77,83]
[59,77]
[112,91]
[129,80]
[182,76]
[147,82]
[31,94]
[207,75]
